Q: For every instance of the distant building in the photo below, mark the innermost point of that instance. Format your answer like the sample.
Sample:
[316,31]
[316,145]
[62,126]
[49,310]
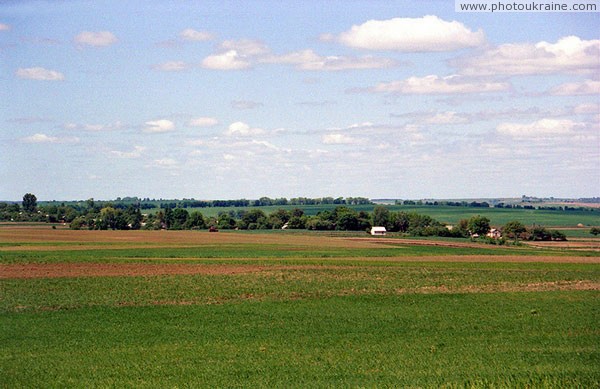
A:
[378,231]
[494,234]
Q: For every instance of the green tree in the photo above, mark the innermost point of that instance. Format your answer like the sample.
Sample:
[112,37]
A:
[180,217]
[29,202]
[278,218]
[253,219]
[514,229]
[479,225]
[196,221]
[595,231]
[381,216]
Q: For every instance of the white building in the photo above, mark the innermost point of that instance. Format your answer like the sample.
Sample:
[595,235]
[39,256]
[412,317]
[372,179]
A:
[379,231]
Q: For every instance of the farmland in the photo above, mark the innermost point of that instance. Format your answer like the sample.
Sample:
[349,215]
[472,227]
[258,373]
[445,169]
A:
[293,309]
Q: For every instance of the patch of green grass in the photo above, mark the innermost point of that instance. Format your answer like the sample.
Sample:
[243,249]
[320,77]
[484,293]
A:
[263,251]
[273,283]
[455,340]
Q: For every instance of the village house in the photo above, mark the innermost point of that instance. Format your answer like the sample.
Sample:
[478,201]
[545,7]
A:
[378,231]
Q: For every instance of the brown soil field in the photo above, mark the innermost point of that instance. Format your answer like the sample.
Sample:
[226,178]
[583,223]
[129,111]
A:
[570,244]
[168,238]
[58,270]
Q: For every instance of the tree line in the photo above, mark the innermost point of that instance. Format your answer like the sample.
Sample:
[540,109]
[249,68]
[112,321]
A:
[103,216]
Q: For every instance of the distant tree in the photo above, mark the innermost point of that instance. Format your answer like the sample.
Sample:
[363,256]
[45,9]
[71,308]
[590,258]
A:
[540,233]
[514,229]
[29,202]
[195,221]
[253,219]
[278,218]
[595,231]
[180,217]
[479,225]
[558,235]
[399,222]
[225,221]
[381,216]
[463,227]
[168,217]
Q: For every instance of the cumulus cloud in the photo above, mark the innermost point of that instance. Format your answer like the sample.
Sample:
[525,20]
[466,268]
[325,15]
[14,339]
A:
[96,39]
[230,60]
[429,33]
[39,73]
[568,55]
[244,53]
[172,66]
[159,126]
[433,84]
[203,122]
[541,128]
[242,129]
[190,34]
[587,87]
[135,153]
[43,138]
[309,60]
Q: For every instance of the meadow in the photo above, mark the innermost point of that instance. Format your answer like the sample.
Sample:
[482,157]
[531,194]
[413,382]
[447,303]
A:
[232,309]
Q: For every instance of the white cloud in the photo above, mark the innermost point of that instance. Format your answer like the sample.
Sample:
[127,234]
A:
[428,33]
[446,118]
[43,138]
[433,84]
[190,34]
[39,73]
[4,27]
[587,108]
[230,60]
[158,126]
[172,66]
[94,127]
[568,55]
[339,139]
[309,60]
[166,162]
[135,153]
[587,87]
[245,47]
[539,129]
[203,122]
[242,129]
[96,39]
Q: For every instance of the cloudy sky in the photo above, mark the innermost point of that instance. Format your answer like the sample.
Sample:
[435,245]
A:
[243,99]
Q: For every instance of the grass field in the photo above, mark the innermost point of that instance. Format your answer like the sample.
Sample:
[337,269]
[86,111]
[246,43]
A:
[451,215]
[195,309]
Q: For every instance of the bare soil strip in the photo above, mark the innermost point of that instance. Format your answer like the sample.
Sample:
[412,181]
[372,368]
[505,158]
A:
[57,270]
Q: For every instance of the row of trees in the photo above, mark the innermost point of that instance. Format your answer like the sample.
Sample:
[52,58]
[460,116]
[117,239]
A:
[102,216]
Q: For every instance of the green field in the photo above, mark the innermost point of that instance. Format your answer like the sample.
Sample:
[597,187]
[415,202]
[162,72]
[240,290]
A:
[301,311]
[451,215]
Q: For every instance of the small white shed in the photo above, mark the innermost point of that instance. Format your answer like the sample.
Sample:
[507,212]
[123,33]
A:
[378,231]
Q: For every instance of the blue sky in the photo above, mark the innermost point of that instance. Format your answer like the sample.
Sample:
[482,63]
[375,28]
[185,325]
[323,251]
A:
[243,99]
